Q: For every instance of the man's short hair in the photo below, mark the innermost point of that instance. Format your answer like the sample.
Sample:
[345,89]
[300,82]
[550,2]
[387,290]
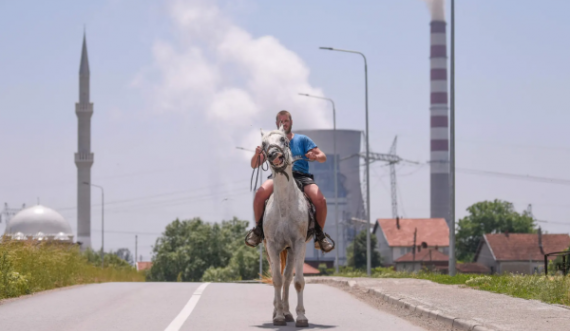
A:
[281,113]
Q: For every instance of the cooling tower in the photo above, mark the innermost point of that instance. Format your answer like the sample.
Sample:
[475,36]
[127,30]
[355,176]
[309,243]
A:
[439,128]
[350,203]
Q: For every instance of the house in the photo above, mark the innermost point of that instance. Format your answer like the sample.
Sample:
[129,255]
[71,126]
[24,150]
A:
[143,265]
[396,236]
[518,252]
[429,259]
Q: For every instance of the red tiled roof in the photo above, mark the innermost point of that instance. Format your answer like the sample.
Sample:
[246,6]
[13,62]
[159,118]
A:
[308,270]
[472,268]
[424,255]
[524,246]
[433,231]
[143,265]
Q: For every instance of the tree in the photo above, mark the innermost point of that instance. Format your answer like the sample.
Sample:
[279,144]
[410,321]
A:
[356,252]
[188,248]
[125,254]
[489,217]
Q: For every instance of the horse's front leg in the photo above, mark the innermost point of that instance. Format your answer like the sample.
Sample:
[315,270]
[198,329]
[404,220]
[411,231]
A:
[299,258]
[288,277]
[278,317]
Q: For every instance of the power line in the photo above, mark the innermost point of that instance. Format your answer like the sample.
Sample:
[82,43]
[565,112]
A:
[516,176]
[154,196]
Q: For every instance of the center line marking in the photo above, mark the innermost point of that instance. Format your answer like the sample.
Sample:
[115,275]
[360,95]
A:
[176,324]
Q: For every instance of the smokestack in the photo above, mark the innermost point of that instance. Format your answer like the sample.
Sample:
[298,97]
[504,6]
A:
[439,114]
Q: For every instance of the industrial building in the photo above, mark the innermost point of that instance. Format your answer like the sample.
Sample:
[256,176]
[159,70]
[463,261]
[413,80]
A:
[350,201]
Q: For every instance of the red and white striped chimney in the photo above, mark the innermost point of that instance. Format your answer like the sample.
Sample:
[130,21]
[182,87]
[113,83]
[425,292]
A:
[439,112]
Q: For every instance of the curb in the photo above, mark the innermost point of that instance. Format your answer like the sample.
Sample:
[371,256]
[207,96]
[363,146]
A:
[452,321]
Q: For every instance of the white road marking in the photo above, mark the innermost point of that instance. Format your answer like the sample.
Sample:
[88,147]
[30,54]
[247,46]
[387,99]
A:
[176,324]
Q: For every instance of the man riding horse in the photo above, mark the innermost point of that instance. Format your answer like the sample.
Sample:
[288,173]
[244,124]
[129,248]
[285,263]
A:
[301,146]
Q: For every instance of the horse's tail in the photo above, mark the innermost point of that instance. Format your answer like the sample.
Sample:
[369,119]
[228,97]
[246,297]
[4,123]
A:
[283,257]
[267,279]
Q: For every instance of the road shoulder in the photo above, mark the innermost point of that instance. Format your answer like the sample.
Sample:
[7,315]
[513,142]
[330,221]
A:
[451,307]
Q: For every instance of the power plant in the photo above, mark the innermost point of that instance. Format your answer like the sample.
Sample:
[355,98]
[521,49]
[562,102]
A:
[350,200]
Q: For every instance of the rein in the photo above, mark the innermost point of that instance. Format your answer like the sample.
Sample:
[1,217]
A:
[278,169]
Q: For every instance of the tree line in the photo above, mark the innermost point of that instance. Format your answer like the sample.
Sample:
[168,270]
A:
[194,250]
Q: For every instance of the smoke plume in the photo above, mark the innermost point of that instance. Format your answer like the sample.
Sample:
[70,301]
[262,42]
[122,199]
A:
[437,9]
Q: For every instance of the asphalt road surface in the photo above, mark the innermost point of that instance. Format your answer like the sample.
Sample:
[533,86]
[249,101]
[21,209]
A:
[188,306]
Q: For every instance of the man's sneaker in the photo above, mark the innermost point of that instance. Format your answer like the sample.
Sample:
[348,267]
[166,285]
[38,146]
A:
[322,243]
[254,236]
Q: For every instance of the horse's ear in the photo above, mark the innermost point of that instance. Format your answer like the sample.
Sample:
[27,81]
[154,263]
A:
[262,133]
[281,128]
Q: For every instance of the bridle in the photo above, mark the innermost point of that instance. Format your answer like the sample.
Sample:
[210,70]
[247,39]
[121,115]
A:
[278,169]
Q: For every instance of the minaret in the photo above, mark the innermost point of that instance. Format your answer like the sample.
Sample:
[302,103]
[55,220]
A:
[84,157]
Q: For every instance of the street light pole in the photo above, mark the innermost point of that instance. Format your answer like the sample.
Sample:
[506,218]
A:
[367,153]
[335,171]
[452,147]
[259,173]
[102,222]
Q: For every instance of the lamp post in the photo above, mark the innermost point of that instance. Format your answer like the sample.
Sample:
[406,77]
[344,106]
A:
[102,222]
[367,152]
[254,220]
[335,171]
[452,147]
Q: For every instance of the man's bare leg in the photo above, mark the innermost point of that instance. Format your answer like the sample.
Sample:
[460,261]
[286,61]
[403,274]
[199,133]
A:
[255,235]
[318,199]
[263,193]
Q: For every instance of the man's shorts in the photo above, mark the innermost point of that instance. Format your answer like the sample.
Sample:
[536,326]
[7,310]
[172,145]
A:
[302,179]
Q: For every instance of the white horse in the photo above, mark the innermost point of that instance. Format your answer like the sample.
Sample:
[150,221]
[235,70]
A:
[285,225]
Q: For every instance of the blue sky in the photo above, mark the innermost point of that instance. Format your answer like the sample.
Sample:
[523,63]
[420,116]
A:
[175,93]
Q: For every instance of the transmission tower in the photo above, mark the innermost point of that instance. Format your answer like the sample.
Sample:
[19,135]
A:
[392,159]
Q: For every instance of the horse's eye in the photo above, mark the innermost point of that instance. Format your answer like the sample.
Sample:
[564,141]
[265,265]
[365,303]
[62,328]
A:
[282,140]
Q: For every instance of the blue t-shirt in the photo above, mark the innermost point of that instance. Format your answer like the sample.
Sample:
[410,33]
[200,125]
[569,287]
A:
[300,145]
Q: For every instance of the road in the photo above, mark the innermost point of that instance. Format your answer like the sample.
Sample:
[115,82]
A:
[178,306]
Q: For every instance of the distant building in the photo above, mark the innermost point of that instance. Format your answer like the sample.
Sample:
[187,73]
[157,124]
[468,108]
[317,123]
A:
[518,252]
[143,266]
[350,202]
[430,259]
[396,236]
[39,223]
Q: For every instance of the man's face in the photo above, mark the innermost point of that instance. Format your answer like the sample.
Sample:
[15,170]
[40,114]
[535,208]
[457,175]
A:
[287,124]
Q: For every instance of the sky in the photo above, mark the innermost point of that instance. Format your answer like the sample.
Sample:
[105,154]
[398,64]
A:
[178,85]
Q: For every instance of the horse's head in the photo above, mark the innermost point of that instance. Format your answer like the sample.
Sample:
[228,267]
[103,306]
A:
[275,144]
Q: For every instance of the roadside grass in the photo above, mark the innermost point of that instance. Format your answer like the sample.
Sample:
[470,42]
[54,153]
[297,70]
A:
[549,289]
[29,267]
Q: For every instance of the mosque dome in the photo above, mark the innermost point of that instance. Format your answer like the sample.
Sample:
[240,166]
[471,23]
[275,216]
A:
[38,222]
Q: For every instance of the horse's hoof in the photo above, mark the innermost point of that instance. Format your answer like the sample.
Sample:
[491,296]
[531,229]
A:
[302,323]
[279,321]
[289,318]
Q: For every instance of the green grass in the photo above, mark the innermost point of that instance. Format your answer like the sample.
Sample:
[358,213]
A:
[549,289]
[28,267]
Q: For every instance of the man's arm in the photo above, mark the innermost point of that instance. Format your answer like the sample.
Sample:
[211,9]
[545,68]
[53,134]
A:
[258,158]
[316,154]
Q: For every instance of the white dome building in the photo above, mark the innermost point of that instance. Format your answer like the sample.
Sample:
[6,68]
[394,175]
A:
[39,223]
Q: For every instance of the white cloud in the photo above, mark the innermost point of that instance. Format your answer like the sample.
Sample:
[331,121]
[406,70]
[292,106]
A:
[215,71]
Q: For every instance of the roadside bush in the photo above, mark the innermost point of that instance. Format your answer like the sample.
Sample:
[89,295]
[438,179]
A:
[28,267]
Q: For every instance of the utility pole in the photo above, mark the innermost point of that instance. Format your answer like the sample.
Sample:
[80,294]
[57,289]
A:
[414,249]
[136,249]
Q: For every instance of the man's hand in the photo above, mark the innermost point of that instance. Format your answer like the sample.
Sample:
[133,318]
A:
[258,158]
[311,155]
